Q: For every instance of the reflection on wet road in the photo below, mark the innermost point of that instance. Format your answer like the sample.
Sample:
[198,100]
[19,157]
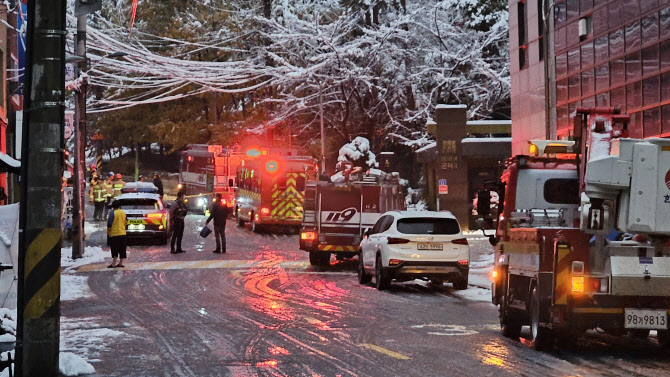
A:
[261,310]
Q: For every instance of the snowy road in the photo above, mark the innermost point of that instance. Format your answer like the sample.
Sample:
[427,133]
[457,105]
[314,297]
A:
[262,310]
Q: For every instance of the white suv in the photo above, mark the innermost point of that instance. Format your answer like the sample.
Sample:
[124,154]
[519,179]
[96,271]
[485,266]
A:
[408,245]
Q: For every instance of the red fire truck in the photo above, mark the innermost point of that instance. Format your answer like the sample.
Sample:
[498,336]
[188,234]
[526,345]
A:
[205,170]
[270,188]
[582,239]
[337,214]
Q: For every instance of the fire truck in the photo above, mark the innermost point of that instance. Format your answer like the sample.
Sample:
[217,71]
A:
[205,170]
[337,214]
[582,239]
[270,188]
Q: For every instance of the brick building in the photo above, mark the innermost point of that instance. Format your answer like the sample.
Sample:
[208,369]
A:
[600,53]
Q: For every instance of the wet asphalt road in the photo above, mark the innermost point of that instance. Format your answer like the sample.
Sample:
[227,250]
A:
[261,310]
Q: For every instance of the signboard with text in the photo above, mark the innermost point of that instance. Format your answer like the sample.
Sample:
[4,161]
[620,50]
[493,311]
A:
[442,187]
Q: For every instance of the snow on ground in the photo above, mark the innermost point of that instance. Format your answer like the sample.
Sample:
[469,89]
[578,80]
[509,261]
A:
[3,357]
[74,287]
[474,294]
[70,364]
[92,254]
[86,337]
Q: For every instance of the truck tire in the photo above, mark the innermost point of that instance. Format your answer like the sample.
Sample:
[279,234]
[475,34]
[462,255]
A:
[382,281]
[541,338]
[664,338]
[320,259]
[363,277]
[510,326]
[461,283]
[240,222]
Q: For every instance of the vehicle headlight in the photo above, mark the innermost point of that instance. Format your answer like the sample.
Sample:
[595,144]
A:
[200,201]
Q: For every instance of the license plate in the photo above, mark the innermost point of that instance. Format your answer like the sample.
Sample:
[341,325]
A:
[136,227]
[430,246]
[136,222]
[646,319]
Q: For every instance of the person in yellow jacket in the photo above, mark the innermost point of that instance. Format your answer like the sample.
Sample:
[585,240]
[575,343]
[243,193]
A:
[97,193]
[119,184]
[108,184]
[116,231]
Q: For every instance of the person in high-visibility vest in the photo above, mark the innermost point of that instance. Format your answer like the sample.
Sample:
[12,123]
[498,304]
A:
[119,184]
[99,199]
[109,191]
[116,231]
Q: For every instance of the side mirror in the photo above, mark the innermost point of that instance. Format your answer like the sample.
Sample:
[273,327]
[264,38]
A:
[367,232]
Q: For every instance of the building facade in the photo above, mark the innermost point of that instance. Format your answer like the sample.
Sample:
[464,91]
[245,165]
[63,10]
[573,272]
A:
[600,53]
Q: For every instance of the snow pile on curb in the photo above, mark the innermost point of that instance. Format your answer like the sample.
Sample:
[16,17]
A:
[70,364]
[74,287]
[92,254]
[86,337]
[7,325]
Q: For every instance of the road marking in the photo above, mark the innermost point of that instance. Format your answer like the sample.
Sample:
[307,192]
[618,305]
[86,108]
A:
[241,266]
[385,351]
[445,330]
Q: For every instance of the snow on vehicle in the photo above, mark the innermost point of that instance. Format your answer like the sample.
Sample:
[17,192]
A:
[337,213]
[205,170]
[146,216]
[564,263]
[270,189]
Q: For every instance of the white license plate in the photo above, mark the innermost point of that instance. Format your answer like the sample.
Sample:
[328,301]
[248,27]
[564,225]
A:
[136,227]
[646,319]
[430,246]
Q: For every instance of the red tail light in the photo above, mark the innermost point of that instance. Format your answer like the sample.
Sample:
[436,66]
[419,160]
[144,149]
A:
[393,240]
[308,236]
[394,262]
[460,241]
[464,262]
[265,211]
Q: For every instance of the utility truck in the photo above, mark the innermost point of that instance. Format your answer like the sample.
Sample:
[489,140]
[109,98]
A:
[582,238]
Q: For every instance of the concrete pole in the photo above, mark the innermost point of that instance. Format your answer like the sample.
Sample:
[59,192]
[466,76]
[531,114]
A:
[38,328]
[78,203]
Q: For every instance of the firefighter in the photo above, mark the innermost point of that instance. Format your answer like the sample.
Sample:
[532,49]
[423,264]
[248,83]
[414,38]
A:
[108,184]
[94,173]
[97,192]
[119,184]
[219,213]
[159,184]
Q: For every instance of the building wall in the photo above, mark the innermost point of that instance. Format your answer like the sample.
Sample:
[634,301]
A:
[526,74]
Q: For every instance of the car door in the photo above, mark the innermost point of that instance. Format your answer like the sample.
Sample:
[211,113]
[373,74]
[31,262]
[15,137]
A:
[368,247]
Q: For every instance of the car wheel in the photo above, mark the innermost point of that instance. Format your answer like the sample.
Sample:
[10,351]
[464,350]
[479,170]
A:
[363,277]
[461,283]
[541,337]
[240,222]
[664,338]
[382,281]
[255,227]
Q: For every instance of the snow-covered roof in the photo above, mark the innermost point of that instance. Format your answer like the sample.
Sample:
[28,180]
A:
[487,140]
[426,147]
[443,106]
[9,163]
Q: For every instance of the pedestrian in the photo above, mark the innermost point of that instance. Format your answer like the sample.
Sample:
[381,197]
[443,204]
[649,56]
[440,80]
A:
[141,178]
[108,184]
[159,185]
[178,212]
[119,184]
[116,230]
[219,213]
[97,193]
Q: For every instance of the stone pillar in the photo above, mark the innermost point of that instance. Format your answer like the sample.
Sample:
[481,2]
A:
[449,131]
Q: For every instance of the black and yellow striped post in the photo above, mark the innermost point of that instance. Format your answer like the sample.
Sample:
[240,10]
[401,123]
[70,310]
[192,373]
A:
[38,305]
[98,138]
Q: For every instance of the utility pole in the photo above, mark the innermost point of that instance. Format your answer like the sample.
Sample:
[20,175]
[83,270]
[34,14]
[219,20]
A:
[78,206]
[38,330]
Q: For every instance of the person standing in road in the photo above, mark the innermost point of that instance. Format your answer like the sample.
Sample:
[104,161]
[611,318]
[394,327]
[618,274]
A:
[178,212]
[116,230]
[159,184]
[219,213]
[108,184]
[97,192]
[119,184]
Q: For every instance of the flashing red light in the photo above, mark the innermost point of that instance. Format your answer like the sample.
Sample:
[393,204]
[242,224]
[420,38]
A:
[271,166]
[265,211]
[190,158]
[309,236]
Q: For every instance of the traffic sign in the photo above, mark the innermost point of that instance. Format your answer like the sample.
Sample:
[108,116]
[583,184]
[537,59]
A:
[442,187]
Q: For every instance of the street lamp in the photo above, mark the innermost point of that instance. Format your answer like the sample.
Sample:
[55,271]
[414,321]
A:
[78,207]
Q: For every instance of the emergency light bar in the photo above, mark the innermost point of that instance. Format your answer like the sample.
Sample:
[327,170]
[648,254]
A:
[542,147]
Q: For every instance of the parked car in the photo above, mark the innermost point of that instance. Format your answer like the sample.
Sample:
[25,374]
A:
[405,245]
[147,217]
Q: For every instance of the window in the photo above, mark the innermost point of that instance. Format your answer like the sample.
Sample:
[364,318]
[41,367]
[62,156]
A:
[652,123]
[630,8]
[561,65]
[650,60]
[138,204]
[633,36]
[665,86]
[602,77]
[603,100]
[428,226]
[616,43]
[561,191]
[650,91]
[665,54]
[587,54]
[574,89]
[615,10]
[600,20]
[664,17]
[634,95]
[585,5]
[562,91]
[573,61]
[647,5]
[633,66]
[665,119]
[381,224]
[601,54]
[618,98]
[523,26]
[572,8]
[588,83]
[650,28]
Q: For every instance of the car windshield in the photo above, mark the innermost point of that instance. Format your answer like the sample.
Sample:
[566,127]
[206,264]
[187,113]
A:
[428,226]
[141,204]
